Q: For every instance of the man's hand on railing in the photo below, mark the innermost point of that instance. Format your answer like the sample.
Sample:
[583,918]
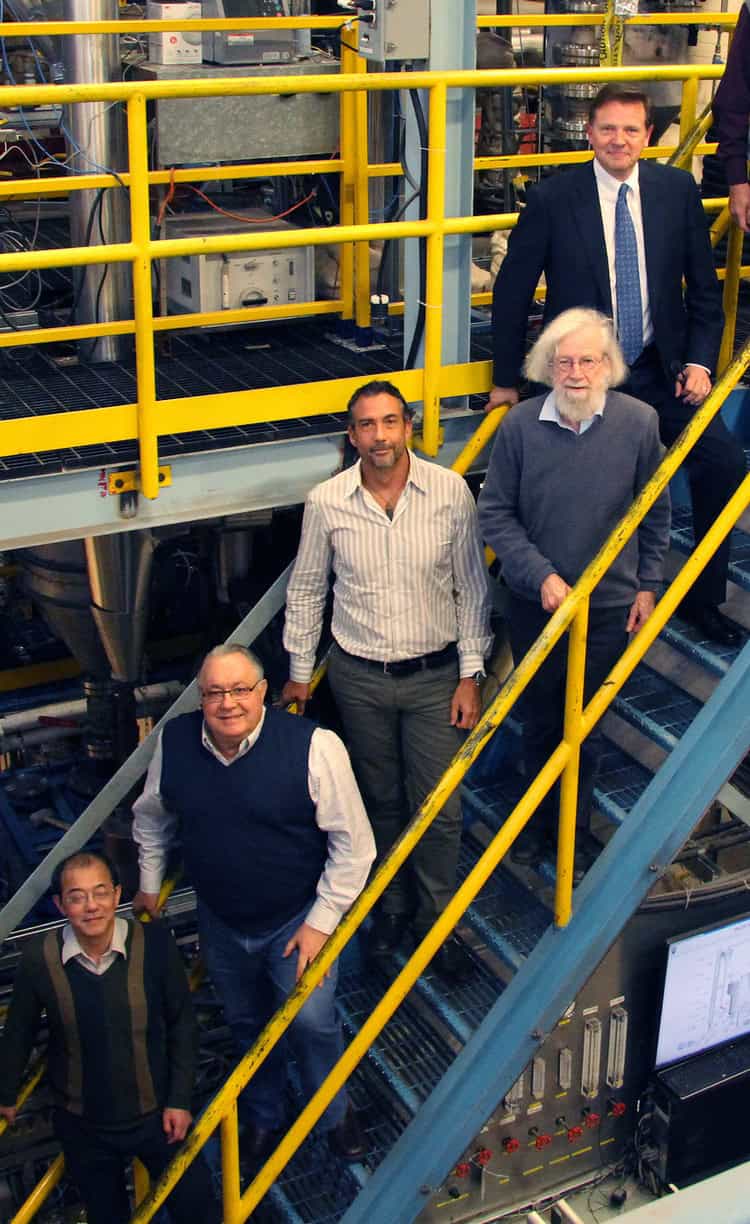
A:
[739,205]
[8,1112]
[643,605]
[501,395]
[553,591]
[146,903]
[308,941]
[295,692]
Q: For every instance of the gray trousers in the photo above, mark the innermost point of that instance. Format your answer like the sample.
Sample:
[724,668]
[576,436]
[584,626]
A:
[399,736]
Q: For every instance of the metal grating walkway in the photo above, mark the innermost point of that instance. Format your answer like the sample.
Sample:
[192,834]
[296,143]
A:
[32,384]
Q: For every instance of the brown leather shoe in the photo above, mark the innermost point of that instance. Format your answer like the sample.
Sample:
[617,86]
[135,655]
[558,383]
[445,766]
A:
[347,1139]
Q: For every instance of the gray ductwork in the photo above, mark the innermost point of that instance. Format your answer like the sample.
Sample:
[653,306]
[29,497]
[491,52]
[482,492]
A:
[102,292]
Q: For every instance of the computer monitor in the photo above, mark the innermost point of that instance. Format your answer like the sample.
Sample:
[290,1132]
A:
[706,998]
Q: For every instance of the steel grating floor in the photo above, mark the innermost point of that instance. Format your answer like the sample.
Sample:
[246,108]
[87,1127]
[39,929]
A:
[34,385]
[739,556]
[705,651]
[656,707]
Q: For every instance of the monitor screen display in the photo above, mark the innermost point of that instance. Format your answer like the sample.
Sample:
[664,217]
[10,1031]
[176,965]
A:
[706,991]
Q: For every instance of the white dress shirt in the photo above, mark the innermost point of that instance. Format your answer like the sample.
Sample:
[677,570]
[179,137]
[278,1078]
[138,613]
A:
[608,189]
[403,587]
[550,412]
[339,812]
[118,947]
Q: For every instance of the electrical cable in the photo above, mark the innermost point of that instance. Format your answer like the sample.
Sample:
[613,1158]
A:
[416,339]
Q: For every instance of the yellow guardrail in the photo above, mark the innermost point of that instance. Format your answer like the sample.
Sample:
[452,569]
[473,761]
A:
[148,418]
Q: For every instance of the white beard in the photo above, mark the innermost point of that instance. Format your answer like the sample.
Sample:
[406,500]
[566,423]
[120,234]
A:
[578,408]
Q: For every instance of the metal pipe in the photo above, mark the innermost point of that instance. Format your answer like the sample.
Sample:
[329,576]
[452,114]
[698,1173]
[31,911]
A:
[95,138]
[24,720]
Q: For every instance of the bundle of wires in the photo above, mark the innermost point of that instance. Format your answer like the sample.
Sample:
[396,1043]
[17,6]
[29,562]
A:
[18,291]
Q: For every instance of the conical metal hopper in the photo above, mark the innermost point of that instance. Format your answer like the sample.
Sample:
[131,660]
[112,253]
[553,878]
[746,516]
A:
[119,572]
[56,578]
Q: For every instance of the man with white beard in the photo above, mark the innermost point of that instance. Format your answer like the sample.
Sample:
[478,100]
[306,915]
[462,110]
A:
[564,469]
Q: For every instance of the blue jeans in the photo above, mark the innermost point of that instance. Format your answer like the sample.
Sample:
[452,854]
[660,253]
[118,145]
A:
[253,979]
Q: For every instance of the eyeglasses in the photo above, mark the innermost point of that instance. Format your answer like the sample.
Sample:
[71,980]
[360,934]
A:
[585,364]
[78,897]
[238,692]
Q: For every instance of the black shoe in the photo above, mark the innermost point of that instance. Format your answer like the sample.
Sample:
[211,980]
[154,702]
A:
[257,1144]
[452,961]
[387,933]
[526,849]
[347,1139]
[713,624]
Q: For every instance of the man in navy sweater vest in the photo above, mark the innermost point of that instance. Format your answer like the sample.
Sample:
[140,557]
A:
[121,1051]
[564,470]
[277,843]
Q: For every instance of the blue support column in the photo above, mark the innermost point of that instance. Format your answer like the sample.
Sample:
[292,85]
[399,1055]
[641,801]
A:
[642,848]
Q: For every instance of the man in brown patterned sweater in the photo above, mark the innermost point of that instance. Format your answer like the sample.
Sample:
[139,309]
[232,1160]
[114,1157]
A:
[121,1051]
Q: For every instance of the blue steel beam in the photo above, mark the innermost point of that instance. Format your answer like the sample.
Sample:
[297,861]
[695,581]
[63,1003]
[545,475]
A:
[639,852]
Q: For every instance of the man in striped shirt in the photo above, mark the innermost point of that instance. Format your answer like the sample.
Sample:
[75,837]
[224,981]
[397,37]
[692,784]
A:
[411,632]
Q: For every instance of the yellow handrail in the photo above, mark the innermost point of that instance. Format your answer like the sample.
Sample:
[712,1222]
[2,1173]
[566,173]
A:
[146,420]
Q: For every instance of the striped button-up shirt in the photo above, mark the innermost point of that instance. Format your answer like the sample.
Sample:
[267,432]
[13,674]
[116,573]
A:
[403,587]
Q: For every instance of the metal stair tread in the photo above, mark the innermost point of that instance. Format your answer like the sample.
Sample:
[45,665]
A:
[739,554]
[689,641]
[656,706]
[409,1055]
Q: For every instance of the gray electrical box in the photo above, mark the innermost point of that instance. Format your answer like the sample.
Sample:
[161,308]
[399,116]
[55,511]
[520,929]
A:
[236,279]
[395,30]
[272,46]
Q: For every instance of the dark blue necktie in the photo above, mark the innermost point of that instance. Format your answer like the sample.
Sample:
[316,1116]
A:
[628,282]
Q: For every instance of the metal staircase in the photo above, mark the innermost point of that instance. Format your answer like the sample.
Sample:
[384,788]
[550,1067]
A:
[421,1100]
[449,1054]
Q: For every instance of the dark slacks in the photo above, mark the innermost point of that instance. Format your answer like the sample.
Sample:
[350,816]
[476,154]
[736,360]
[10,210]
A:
[542,705]
[715,466]
[253,979]
[96,1161]
[400,739]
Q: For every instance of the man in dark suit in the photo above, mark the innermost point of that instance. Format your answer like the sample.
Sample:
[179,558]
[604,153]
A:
[619,236]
